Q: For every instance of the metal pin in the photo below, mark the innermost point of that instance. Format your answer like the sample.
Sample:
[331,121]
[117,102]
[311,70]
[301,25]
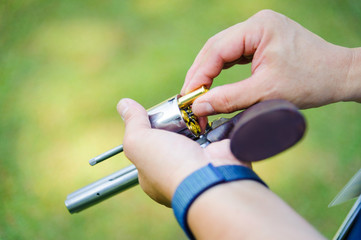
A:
[106,155]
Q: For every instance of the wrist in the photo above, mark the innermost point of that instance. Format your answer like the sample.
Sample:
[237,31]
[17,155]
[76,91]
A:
[200,181]
[246,210]
[182,173]
[215,212]
[352,82]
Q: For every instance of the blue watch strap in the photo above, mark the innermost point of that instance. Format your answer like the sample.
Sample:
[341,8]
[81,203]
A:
[201,180]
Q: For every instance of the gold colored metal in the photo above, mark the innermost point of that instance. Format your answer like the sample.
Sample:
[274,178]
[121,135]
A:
[191,121]
[188,99]
[185,116]
[195,128]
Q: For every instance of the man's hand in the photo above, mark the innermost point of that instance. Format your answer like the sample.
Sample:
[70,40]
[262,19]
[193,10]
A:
[163,158]
[235,210]
[288,62]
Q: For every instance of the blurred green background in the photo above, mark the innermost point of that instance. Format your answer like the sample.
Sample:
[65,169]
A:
[65,64]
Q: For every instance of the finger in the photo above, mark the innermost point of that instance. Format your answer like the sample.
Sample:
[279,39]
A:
[199,58]
[203,121]
[242,60]
[134,115]
[194,67]
[239,41]
[137,131]
[231,97]
[153,142]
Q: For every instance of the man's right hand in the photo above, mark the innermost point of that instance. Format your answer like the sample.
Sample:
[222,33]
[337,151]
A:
[288,62]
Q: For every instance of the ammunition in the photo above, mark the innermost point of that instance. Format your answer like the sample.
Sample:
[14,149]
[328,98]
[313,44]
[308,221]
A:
[188,99]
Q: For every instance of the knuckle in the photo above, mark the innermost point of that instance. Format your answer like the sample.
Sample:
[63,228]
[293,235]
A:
[266,13]
[130,115]
[228,106]
[211,40]
[129,141]
[270,18]
[224,101]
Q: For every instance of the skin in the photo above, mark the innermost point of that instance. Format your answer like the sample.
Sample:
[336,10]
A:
[164,158]
[288,62]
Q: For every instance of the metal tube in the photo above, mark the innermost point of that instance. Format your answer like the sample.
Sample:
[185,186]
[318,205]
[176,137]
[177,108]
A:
[102,189]
[114,175]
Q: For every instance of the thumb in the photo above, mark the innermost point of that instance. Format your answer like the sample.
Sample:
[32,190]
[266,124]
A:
[229,98]
[134,115]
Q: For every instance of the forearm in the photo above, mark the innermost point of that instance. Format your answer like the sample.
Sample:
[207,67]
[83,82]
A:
[246,210]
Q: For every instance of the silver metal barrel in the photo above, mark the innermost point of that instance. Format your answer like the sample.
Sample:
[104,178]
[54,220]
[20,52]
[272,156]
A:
[102,189]
[167,116]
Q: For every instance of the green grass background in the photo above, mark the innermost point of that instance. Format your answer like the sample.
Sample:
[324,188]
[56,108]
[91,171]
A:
[65,64]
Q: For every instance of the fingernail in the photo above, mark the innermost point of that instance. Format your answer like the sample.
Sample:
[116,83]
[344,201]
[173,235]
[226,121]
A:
[123,107]
[205,107]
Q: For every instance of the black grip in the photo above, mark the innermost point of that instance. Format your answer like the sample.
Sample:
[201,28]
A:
[266,129]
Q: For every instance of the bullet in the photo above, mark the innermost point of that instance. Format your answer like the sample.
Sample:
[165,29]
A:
[189,98]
